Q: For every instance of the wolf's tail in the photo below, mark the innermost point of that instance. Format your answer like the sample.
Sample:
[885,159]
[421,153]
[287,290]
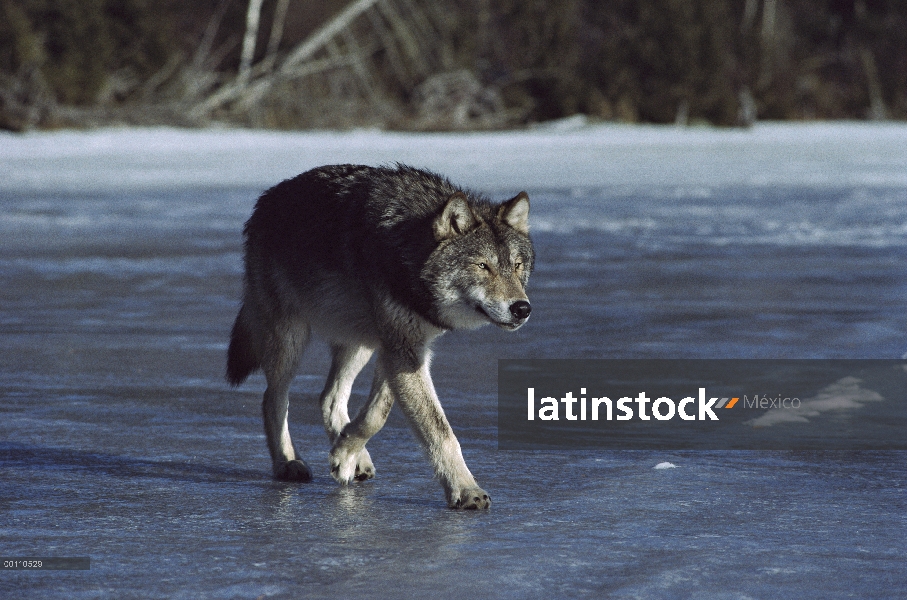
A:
[241,358]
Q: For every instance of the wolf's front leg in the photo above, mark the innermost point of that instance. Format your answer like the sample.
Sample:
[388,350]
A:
[346,364]
[416,394]
[348,453]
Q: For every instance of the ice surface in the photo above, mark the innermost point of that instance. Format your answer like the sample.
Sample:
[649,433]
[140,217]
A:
[120,263]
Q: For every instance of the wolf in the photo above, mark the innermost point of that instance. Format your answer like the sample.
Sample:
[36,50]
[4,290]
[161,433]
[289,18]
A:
[376,260]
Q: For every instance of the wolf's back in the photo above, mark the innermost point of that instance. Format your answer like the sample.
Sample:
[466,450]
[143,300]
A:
[293,232]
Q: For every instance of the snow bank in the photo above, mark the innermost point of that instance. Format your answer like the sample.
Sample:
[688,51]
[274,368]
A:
[563,155]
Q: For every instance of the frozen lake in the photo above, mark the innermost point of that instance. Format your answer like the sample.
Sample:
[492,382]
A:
[120,259]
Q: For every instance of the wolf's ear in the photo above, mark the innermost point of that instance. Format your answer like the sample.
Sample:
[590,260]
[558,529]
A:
[515,212]
[456,218]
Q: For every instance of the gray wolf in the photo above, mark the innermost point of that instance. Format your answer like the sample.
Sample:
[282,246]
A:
[377,261]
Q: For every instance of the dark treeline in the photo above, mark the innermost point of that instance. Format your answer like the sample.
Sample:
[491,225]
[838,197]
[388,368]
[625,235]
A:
[448,64]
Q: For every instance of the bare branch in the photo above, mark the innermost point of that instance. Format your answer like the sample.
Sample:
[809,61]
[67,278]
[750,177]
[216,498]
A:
[280,17]
[253,16]
[203,51]
[404,34]
[317,40]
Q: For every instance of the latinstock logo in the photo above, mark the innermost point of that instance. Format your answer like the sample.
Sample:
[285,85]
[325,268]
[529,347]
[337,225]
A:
[662,409]
[698,404]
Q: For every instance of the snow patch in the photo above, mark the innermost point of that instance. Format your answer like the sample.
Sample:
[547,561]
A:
[564,155]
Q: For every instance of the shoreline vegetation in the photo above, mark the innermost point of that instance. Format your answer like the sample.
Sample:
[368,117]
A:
[420,65]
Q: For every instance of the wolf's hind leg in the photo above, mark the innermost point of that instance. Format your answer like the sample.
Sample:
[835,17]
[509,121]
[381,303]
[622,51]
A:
[281,357]
[347,362]
[349,454]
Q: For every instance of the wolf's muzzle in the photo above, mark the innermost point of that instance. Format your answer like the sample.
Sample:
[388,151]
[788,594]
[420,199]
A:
[520,309]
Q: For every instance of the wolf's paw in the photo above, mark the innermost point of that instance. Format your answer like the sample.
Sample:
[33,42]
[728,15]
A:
[364,467]
[343,464]
[292,470]
[470,499]
[349,464]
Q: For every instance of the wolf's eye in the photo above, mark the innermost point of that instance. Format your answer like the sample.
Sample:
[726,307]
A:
[517,266]
[483,266]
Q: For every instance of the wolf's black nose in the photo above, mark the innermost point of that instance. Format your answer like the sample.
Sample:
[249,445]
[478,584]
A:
[520,309]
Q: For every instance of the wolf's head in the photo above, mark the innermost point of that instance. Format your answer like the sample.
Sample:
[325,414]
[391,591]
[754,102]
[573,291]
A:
[479,270]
